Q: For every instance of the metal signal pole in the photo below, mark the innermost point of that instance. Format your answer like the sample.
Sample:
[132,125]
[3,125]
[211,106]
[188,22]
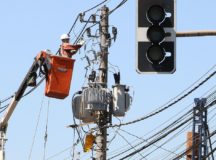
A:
[101,137]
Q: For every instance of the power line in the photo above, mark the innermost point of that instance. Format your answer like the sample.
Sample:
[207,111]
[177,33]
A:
[156,140]
[95,6]
[174,136]
[4,108]
[207,107]
[6,99]
[172,123]
[168,106]
[46,130]
[31,90]
[57,154]
[36,129]
[190,148]
[82,31]
[157,134]
[130,144]
[158,147]
[118,6]
[212,134]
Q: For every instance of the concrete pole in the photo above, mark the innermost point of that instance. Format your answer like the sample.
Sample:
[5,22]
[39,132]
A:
[101,137]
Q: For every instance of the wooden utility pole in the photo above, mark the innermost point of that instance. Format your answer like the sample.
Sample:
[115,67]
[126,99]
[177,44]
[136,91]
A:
[101,137]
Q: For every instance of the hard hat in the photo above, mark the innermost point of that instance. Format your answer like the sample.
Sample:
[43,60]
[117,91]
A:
[64,36]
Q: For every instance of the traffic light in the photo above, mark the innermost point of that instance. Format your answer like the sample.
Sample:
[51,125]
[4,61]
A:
[156,36]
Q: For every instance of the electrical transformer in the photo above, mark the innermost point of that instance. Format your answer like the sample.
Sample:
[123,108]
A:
[121,100]
[80,112]
[92,99]
[95,99]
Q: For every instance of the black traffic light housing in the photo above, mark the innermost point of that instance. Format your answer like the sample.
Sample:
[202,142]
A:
[156,37]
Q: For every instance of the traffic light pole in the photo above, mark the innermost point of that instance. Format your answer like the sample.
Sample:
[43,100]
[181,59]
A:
[101,137]
[196,33]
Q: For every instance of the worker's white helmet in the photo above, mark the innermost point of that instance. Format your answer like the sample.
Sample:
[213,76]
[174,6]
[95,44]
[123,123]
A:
[64,36]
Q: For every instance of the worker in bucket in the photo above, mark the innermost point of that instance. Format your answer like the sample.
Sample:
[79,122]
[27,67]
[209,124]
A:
[67,49]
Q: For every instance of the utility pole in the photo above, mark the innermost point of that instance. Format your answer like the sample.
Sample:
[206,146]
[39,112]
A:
[200,134]
[101,137]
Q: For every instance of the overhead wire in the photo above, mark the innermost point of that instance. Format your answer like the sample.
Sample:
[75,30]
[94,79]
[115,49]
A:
[95,6]
[181,155]
[36,129]
[160,132]
[46,130]
[78,133]
[156,136]
[212,134]
[118,6]
[164,129]
[166,107]
[157,146]
[160,125]
[83,30]
[188,88]
[4,108]
[170,124]
[156,140]
[171,138]
[59,153]
[31,90]
[6,99]
[116,132]
[130,144]
[212,103]
[73,148]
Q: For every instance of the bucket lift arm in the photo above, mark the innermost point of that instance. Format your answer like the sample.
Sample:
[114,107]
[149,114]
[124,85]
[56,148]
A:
[42,59]
[16,98]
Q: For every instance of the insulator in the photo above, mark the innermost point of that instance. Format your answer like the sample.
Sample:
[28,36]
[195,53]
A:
[114,32]
[93,18]
[88,31]
[81,16]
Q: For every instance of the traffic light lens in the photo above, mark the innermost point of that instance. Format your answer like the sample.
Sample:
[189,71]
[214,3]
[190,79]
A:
[156,34]
[156,14]
[155,54]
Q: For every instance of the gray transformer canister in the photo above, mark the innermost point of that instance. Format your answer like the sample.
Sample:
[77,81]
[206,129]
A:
[95,99]
[121,100]
[80,112]
[76,107]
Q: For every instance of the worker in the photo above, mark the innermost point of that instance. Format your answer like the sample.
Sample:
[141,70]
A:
[67,49]
[65,38]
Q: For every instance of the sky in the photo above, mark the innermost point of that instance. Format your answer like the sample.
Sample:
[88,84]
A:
[29,26]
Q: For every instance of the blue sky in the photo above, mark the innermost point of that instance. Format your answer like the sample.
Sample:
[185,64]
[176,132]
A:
[29,26]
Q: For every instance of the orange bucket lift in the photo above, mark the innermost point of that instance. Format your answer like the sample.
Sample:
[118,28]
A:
[59,69]
[59,77]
